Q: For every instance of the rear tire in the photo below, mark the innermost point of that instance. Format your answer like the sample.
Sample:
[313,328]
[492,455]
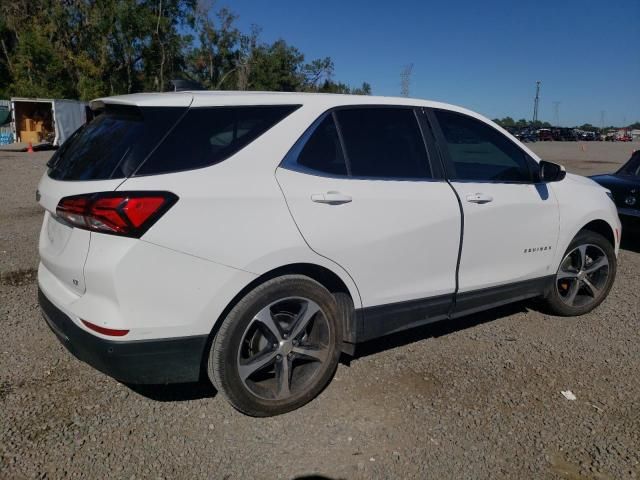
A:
[585,276]
[278,347]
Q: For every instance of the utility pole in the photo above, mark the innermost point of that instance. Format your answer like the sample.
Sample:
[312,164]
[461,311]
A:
[556,113]
[536,102]
[405,79]
[602,114]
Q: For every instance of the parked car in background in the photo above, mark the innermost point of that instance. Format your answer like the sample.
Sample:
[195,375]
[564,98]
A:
[564,135]
[588,136]
[250,238]
[624,186]
[526,135]
[544,135]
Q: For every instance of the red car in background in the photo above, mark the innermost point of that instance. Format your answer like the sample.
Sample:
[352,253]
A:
[544,135]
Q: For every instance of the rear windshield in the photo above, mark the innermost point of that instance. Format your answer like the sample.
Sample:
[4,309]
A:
[127,141]
[113,144]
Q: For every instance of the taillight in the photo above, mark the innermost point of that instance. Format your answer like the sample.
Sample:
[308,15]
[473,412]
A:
[129,214]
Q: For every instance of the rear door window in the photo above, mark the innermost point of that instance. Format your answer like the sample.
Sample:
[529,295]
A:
[367,142]
[383,142]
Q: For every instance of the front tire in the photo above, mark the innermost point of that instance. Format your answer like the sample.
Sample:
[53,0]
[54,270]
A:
[278,347]
[585,276]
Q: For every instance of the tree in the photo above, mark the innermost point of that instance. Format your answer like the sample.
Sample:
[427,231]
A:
[86,49]
[587,127]
[506,122]
[218,56]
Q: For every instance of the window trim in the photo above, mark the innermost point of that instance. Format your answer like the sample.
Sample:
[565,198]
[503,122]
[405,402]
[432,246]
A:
[448,162]
[290,160]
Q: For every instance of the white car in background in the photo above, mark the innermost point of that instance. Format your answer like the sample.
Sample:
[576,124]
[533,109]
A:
[252,237]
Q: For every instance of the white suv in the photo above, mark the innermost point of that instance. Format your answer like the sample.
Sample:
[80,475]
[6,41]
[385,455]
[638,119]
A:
[252,237]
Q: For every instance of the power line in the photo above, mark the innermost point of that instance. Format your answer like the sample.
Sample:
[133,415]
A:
[405,79]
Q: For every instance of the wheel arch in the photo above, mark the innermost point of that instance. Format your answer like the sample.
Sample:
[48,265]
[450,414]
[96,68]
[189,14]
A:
[601,227]
[597,225]
[321,274]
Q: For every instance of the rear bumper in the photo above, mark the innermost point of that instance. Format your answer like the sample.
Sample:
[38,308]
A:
[173,360]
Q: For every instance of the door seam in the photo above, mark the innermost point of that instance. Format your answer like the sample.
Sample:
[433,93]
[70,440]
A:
[461,240]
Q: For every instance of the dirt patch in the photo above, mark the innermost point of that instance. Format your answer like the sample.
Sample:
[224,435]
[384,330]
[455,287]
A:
[19,278]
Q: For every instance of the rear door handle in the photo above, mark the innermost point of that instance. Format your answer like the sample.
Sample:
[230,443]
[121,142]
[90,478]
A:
[479,198]
[331,198]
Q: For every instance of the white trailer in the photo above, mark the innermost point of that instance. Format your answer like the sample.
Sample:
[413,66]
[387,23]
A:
[57,119]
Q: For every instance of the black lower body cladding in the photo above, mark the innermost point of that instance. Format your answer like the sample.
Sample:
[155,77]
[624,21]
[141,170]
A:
[174,360]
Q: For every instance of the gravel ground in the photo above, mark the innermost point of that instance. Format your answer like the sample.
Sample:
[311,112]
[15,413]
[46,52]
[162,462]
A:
[473,398]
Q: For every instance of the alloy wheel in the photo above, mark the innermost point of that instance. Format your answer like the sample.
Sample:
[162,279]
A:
[583,275]
[283,348]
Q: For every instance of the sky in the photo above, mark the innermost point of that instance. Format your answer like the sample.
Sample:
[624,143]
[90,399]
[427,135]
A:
[484,55]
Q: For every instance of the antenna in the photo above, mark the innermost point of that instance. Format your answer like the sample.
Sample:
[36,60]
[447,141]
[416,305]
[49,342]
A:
[556,113]
[405,79]
[536,102]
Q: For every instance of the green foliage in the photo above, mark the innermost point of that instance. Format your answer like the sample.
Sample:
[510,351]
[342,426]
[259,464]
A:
[87,49]
[275,67]
[508,122]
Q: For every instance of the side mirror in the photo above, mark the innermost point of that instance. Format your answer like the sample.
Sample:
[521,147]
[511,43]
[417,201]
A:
[551,172]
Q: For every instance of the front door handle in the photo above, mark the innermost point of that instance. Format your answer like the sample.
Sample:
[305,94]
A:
[479,198]
[331,198]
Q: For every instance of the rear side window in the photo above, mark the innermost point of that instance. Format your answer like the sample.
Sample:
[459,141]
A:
[113,144]
[124,141]
[206,136]
[480,152]
[383,143]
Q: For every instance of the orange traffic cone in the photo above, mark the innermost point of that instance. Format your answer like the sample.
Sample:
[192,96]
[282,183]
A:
[30,148]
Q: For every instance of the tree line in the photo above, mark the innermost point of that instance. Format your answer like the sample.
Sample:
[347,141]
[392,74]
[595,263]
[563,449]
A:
[91,48]
[508,122]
